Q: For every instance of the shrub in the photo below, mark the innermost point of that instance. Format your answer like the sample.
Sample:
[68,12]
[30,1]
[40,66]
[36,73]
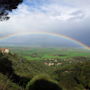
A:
[42,82]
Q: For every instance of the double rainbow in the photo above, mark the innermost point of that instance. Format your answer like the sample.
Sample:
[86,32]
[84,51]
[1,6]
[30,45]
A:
[47,33]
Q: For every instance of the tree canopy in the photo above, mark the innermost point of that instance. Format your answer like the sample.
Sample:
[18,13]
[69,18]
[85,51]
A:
[7,6]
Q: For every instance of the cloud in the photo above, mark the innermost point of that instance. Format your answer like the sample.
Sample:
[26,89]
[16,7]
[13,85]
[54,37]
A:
[67,17]
[7,6]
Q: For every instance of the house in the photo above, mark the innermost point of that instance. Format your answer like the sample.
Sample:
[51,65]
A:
[4,50]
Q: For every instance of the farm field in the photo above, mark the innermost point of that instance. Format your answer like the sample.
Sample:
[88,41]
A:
[69,67]
[50,53]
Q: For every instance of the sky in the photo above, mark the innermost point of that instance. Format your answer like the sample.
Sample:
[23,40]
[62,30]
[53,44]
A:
[68,17]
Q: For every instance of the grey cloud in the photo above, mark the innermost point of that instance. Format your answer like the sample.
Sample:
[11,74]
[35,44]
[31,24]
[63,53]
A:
[72,19]
[77,15]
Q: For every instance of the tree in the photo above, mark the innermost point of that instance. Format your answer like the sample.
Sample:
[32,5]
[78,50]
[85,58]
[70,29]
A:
[7,6]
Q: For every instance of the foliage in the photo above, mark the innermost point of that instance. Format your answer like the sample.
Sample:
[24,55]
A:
[43,82]
[75,75]
[7,6]
[72,73]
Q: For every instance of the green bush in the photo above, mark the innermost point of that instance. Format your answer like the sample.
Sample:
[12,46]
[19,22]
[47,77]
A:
[43,82]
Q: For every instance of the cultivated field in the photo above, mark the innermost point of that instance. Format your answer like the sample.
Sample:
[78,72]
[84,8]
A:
[49,53]
[69,67]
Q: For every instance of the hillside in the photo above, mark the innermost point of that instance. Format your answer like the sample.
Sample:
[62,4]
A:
[16,72]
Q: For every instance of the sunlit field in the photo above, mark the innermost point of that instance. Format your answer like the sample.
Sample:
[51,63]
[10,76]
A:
[69,67]
[50,53]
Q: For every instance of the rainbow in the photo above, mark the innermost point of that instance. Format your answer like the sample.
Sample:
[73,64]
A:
[47,33]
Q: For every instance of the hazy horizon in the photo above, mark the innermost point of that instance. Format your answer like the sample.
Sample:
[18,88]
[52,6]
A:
[68,17]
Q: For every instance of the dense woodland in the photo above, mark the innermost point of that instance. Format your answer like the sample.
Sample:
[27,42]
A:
[17,73]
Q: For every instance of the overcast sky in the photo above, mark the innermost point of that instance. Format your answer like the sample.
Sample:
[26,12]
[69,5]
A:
[68,17]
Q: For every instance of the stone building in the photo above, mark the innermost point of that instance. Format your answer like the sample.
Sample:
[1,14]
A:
[4,50]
